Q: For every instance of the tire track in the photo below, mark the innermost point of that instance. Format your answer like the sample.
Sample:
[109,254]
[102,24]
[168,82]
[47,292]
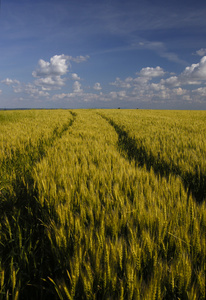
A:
[24,242]
[194,183]
[35,153]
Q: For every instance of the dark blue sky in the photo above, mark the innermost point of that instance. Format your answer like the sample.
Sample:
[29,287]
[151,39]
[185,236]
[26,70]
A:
[147,54]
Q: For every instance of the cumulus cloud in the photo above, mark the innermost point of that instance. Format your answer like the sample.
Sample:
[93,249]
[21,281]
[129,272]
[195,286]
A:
[201,52]
[145,75]
[152,72]
[9,81]
[34,92]
[192,75]
[201,91]
[122,83]
[77,87]
[15,84]
[50,73]
[18,88]
[57,66]
[196,71]
[84,97]
[50,83]
[60,96]
[97,86]
[157,86]
[144,88]
[75,76]
[179,91]
[26,89]
[149,84]
[171,81]
[120,95]
[195,74]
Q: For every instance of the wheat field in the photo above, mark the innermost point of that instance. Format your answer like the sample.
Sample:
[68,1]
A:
[102,204]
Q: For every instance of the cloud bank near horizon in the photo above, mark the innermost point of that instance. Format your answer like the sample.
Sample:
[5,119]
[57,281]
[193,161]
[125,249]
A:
[55,81]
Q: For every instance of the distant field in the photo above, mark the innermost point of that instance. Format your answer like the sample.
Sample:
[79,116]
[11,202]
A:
[102,204]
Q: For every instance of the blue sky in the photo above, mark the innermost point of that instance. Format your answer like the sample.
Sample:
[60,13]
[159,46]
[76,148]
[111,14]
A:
[103,54]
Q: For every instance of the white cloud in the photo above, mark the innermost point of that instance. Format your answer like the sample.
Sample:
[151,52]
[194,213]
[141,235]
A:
[89,97]
[34,92]
[171,81]
[157,86]
[17,89]
[122,84]
[79,59]
[113,94]
[196,71]
[77,87]
[50,83]
[144,88]
[57,66]
[163,94]
[31,90]
[60,96]
[145,75]
[97,86]
[129,79]
[187,98]
[120,95]
[201,52]
[75,76]
[192,75]
[28,89]
[141,80]
[85,97]
[49,74]
[179,91]
[151,72]
[201,91]
[16,85]
[9,81]
[147,85]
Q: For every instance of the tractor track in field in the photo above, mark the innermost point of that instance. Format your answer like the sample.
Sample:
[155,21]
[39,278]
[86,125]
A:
[134,149]
[22,165]
[21,211]
[35,154]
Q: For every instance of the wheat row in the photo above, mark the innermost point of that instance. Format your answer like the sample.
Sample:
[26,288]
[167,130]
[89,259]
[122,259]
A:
[82,219]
